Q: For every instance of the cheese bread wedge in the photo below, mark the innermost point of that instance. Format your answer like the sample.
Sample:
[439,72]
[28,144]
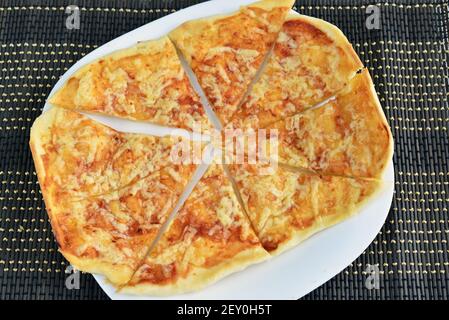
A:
[226,51]
[347,136]
[111,234]
[209,239]
[145,82]
[287,207]
[311,61]
[76,156]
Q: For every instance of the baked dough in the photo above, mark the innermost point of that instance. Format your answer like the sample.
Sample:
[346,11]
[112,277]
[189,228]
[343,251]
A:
[106,193]
[311,61]
[348,136]
[76,156]
[209,239]
[289,206]
[110,234]
[145,82]
[226,51]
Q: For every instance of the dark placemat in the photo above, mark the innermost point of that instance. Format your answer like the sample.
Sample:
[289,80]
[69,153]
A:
[407,56]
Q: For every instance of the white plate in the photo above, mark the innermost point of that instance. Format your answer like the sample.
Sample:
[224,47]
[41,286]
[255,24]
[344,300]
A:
[292,274]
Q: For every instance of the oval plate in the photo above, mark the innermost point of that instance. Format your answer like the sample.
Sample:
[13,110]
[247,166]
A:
[293,274]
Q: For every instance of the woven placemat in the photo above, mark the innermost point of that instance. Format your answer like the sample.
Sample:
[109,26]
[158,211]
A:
[407,54]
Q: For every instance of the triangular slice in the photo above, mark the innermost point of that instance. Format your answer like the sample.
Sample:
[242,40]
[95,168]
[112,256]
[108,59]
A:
[311,61]
[145,82]
[287,207]
[209,239]
[78,157]
[110,234]
[348,136]
[226,51]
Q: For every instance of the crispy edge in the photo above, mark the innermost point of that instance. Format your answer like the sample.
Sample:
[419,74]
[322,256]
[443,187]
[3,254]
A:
[41,126]
[334,33]
[202,277]
[302,235]
[365,77]
[116,274]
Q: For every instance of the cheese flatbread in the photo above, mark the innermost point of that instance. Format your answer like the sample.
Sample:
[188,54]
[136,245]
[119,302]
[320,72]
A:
[110,234]
[145,82]
[289,206]
[210,238]
[110,195]
[311,61]
[226,51]
[79,157]
[348,136]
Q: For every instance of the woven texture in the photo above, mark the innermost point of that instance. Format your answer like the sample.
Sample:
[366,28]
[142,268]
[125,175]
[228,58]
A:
[407,56]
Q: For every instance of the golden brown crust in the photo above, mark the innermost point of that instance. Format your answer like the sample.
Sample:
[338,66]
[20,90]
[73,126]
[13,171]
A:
[311,61]
[349,136]
[367,81]
[225,51]
[145,82]
[78,156]
[209,238]
[115,273]
[109,232]
[334,33]
[202,277]
[40,128]
[290,206]
[272,4]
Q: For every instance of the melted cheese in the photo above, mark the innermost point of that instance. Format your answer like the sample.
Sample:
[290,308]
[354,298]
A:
[347,136]
[307,66]
[288,204]
[145,82]
[86,94]
[226,51]
[210,229]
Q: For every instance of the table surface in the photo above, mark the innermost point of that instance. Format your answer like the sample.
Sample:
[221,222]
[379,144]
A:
[407,56]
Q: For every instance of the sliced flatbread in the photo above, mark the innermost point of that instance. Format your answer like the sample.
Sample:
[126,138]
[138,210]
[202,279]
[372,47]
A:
[226,51]
[110,234]
[348,136]
[287,207]
[209,239]
[145,82]
[78,157]
[311,61]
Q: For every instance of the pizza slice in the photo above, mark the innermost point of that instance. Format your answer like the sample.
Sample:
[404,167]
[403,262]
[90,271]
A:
[110,234]
[288,206]
[311,61]
[209,239]
[145,82]
[78,157]
[226,51]
[348,136]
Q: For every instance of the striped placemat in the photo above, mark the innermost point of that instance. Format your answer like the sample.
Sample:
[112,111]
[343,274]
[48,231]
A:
[405,45]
